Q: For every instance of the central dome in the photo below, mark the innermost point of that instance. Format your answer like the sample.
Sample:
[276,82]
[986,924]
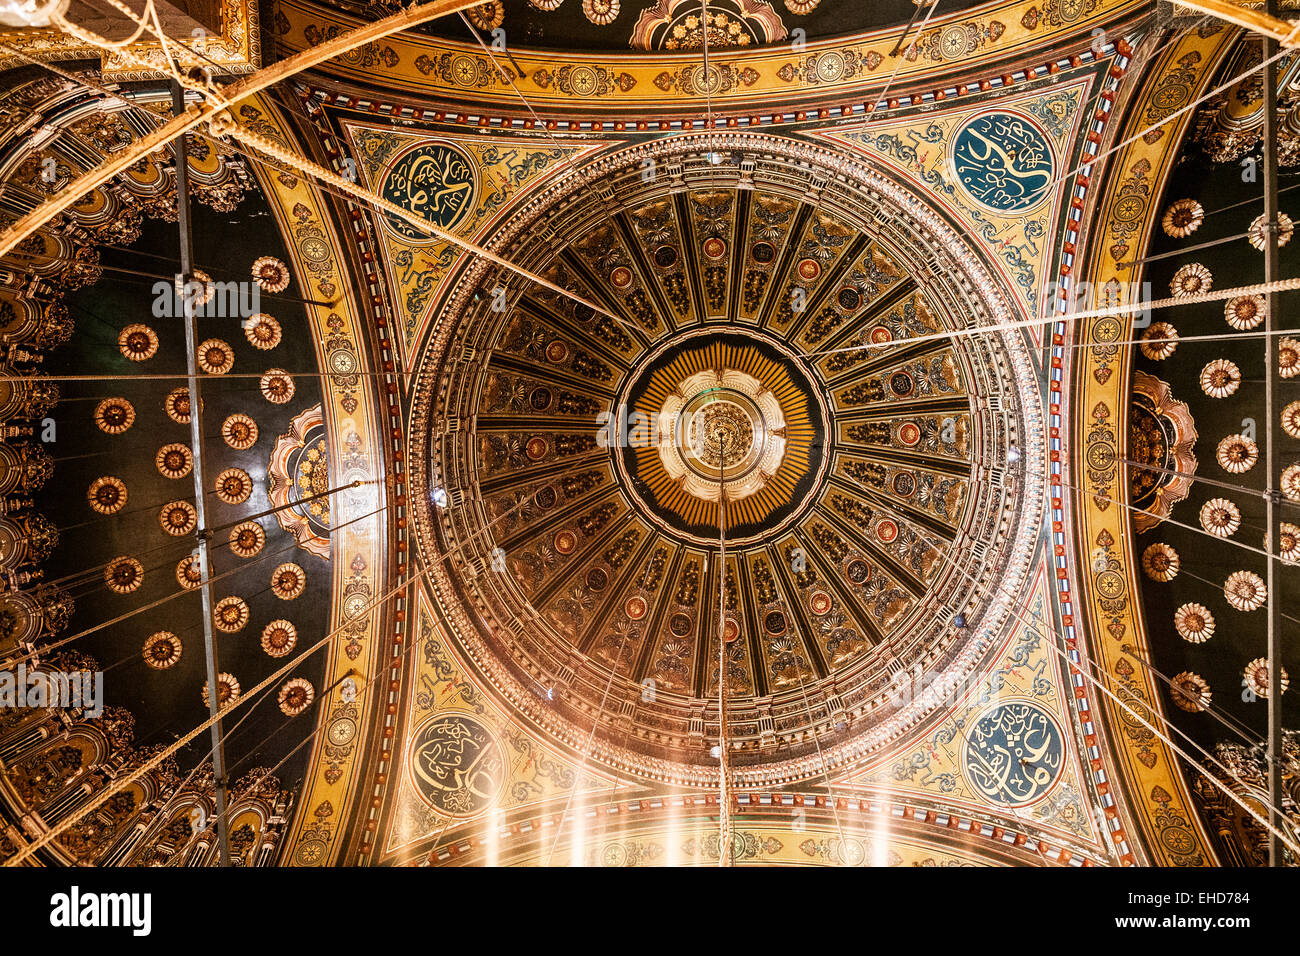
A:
[770,337]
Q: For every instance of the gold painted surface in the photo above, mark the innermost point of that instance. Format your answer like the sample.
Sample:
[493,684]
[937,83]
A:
[921,150]
[416,269]
[750,79]
[358,542]
[1157,798]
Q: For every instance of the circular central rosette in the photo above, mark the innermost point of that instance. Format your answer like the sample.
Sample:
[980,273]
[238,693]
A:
[721,429]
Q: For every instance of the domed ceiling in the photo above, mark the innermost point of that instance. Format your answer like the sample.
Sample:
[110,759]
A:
[749,291]
[679,391]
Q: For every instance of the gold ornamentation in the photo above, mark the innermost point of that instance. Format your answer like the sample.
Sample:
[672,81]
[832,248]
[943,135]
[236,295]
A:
[1288,360]
[1257,235]
[1194,623]
[247,539]
[233,486]
[1159,341]
[177,405]
[162,650]
[600,12]
[1220,517]
[187,573]
[296,696]
[114,415]
[487,16]
[216,357]
[1160,562]
[1191,279]
[270,274]
[1220,378]
[174,460]
[107,495]
[227,690]
[263,332]
[1256,674]
[230,615]
[1190,692]
[277,387]
[1245,590]
[1237,454]
[1182,218]
[178,518]
[239,432]
[288,581]
[138,342]
[1245,312]
[1291,419]
[123,575]
[279,638]
[1291,482]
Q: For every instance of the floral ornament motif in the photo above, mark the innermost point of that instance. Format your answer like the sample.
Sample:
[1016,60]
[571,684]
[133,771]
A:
[106,495]
[187,573]
[1159,341]
[1291,419]
[1256,674]
[1191,279]
[279,638]
[1194,623]
[123,575]
[1220,378]
[174,460]
[138,342]
[1288,357]
[1220,517]
[600,12]
[162,650]
[247,539]
[802,8]
[298,469]
[288,581]
[233,486]
[487,16]
[1237,454]
[1258,232]
[1245,590]
[177,405]
[114,415]
[178,518]
[1181,219]
[227,690]
[1290,540]
[277,387]
[216,357]
[1245,312]
[1190,692]
[545,5]
[270,274]
[230,615]
[263,332]
[1160,562]
[239,432]
[296,696]
[1291,482]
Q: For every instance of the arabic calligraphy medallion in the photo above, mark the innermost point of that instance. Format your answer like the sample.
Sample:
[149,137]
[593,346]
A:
[1003,161]
[434,181]
[457,765]
[1013,753]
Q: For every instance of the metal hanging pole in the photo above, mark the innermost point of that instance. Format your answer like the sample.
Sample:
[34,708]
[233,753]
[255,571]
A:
[1271,405]
[201,533]
[724,788]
